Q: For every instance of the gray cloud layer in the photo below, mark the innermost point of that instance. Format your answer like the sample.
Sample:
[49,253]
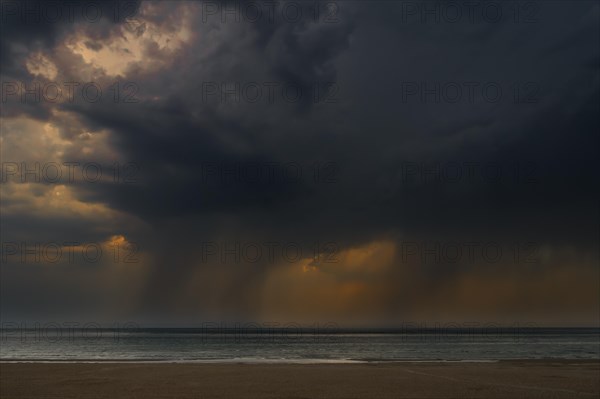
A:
[379,142]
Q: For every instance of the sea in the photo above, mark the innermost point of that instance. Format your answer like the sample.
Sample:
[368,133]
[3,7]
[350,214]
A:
[285,345]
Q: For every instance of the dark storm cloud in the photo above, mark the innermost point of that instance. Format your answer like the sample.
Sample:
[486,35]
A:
[530,133]
[546,149]
[32,26]
[36,24]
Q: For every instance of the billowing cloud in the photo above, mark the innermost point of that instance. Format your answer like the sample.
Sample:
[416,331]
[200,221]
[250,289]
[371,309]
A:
[355,133]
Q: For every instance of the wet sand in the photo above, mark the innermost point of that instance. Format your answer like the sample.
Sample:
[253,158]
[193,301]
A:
[505,379]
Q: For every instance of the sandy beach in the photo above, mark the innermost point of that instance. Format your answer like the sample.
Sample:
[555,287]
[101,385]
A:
[504,379]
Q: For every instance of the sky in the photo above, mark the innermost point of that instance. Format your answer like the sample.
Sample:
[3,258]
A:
[359,163]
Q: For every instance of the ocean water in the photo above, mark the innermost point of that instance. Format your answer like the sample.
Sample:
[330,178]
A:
[298,346]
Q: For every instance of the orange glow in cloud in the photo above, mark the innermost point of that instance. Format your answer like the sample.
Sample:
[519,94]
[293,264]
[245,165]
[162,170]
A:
[327,290]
